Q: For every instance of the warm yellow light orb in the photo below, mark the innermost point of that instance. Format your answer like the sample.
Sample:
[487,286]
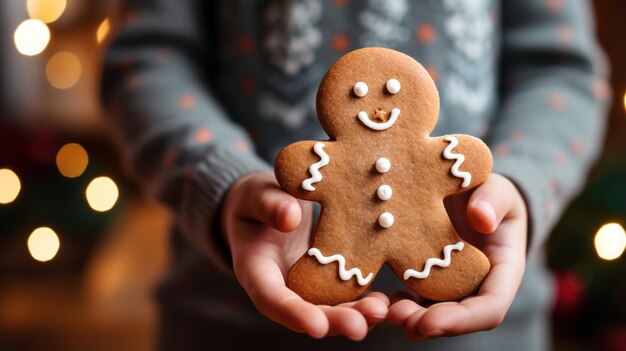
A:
[102,194]
[31,37]
[103,30]
[72,160]
[610,241]
[46,10]
[10,186]
[63,70]
[43,244]
[624,100]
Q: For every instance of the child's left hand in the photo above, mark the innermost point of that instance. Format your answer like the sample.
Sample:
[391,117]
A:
[494,219]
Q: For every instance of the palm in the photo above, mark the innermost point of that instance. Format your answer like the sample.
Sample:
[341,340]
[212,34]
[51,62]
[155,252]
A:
[505,248]
[263,255]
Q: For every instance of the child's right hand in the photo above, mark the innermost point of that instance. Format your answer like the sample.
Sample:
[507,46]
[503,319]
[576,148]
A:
[267,230]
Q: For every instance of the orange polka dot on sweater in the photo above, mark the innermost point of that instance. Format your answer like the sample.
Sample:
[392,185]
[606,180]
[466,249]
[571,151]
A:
[577,146]
[130,15]
[248,86]
[434,72]
[188,174]
[426,33]
[133,82]
[187,102]
[565,33]
[600,89]
[168,159]
[245,44]
[241,145]
[203,135]
[518,134]
[554,5]
[165,54]
[550,207]
[340,42]
[556,100]
[501,150]
[560,158]
[340,3]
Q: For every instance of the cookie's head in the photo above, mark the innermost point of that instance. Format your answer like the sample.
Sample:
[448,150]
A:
[377,90]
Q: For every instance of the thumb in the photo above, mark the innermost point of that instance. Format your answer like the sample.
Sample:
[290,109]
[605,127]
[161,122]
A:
[263,201]
[490,204]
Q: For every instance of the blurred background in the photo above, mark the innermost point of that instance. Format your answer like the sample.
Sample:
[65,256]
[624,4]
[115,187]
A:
[81,249]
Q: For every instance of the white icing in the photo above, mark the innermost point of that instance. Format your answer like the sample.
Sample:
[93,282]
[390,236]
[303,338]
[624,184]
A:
[434,262]
[343,273]
[447,153]
[385,220]
[393,86]
[383,165]
[364,118]
[384,192]
[316,176]
[360,89]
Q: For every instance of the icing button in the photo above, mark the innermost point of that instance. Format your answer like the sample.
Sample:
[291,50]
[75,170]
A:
[383,165]
[385,220]
[393,86]
[384,192]
[360,89]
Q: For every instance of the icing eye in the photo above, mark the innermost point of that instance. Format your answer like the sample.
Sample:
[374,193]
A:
[393,86]
[360,89]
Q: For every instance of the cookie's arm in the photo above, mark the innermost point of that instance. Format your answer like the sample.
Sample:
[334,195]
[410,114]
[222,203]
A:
[465,160]
[301,167]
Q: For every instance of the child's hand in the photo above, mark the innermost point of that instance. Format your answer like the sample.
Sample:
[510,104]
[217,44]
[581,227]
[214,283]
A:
[494,219]
[255,218]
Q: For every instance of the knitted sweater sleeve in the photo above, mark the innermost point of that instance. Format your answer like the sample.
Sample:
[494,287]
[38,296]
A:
[176,139]
[550,126]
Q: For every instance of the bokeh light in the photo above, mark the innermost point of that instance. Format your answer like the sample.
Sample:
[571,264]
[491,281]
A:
[10,186]
[43,244]
[63,70]
[103,30]
[72,160]
[610,241]
[31,37]
[46,10]
[624,100]
[102,194]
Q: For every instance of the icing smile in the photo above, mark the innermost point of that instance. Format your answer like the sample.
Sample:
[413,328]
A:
[364,118]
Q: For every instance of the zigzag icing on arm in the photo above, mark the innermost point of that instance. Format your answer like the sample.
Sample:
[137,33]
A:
[343,273]
[447,153]
[434,262]
[314,169]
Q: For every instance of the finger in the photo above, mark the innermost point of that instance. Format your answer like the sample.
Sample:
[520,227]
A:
[268,204]
[345,321]
[478,313]
[264,283]
[490,203]
[402,310]
[373,307]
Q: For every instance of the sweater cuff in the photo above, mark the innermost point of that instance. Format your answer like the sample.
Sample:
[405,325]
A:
[202,197]
[534,187]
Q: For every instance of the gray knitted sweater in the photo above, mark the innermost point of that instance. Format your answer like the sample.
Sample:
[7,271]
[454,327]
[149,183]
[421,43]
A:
[204,92]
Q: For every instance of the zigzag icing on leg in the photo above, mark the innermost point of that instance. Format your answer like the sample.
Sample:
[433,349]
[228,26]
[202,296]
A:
[343,273]
[434,262]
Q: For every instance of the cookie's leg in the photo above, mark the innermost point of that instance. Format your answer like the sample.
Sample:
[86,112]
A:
[333,271]
[451,269]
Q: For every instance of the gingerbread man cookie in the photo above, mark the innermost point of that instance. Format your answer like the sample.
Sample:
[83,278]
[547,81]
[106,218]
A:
[381,180]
